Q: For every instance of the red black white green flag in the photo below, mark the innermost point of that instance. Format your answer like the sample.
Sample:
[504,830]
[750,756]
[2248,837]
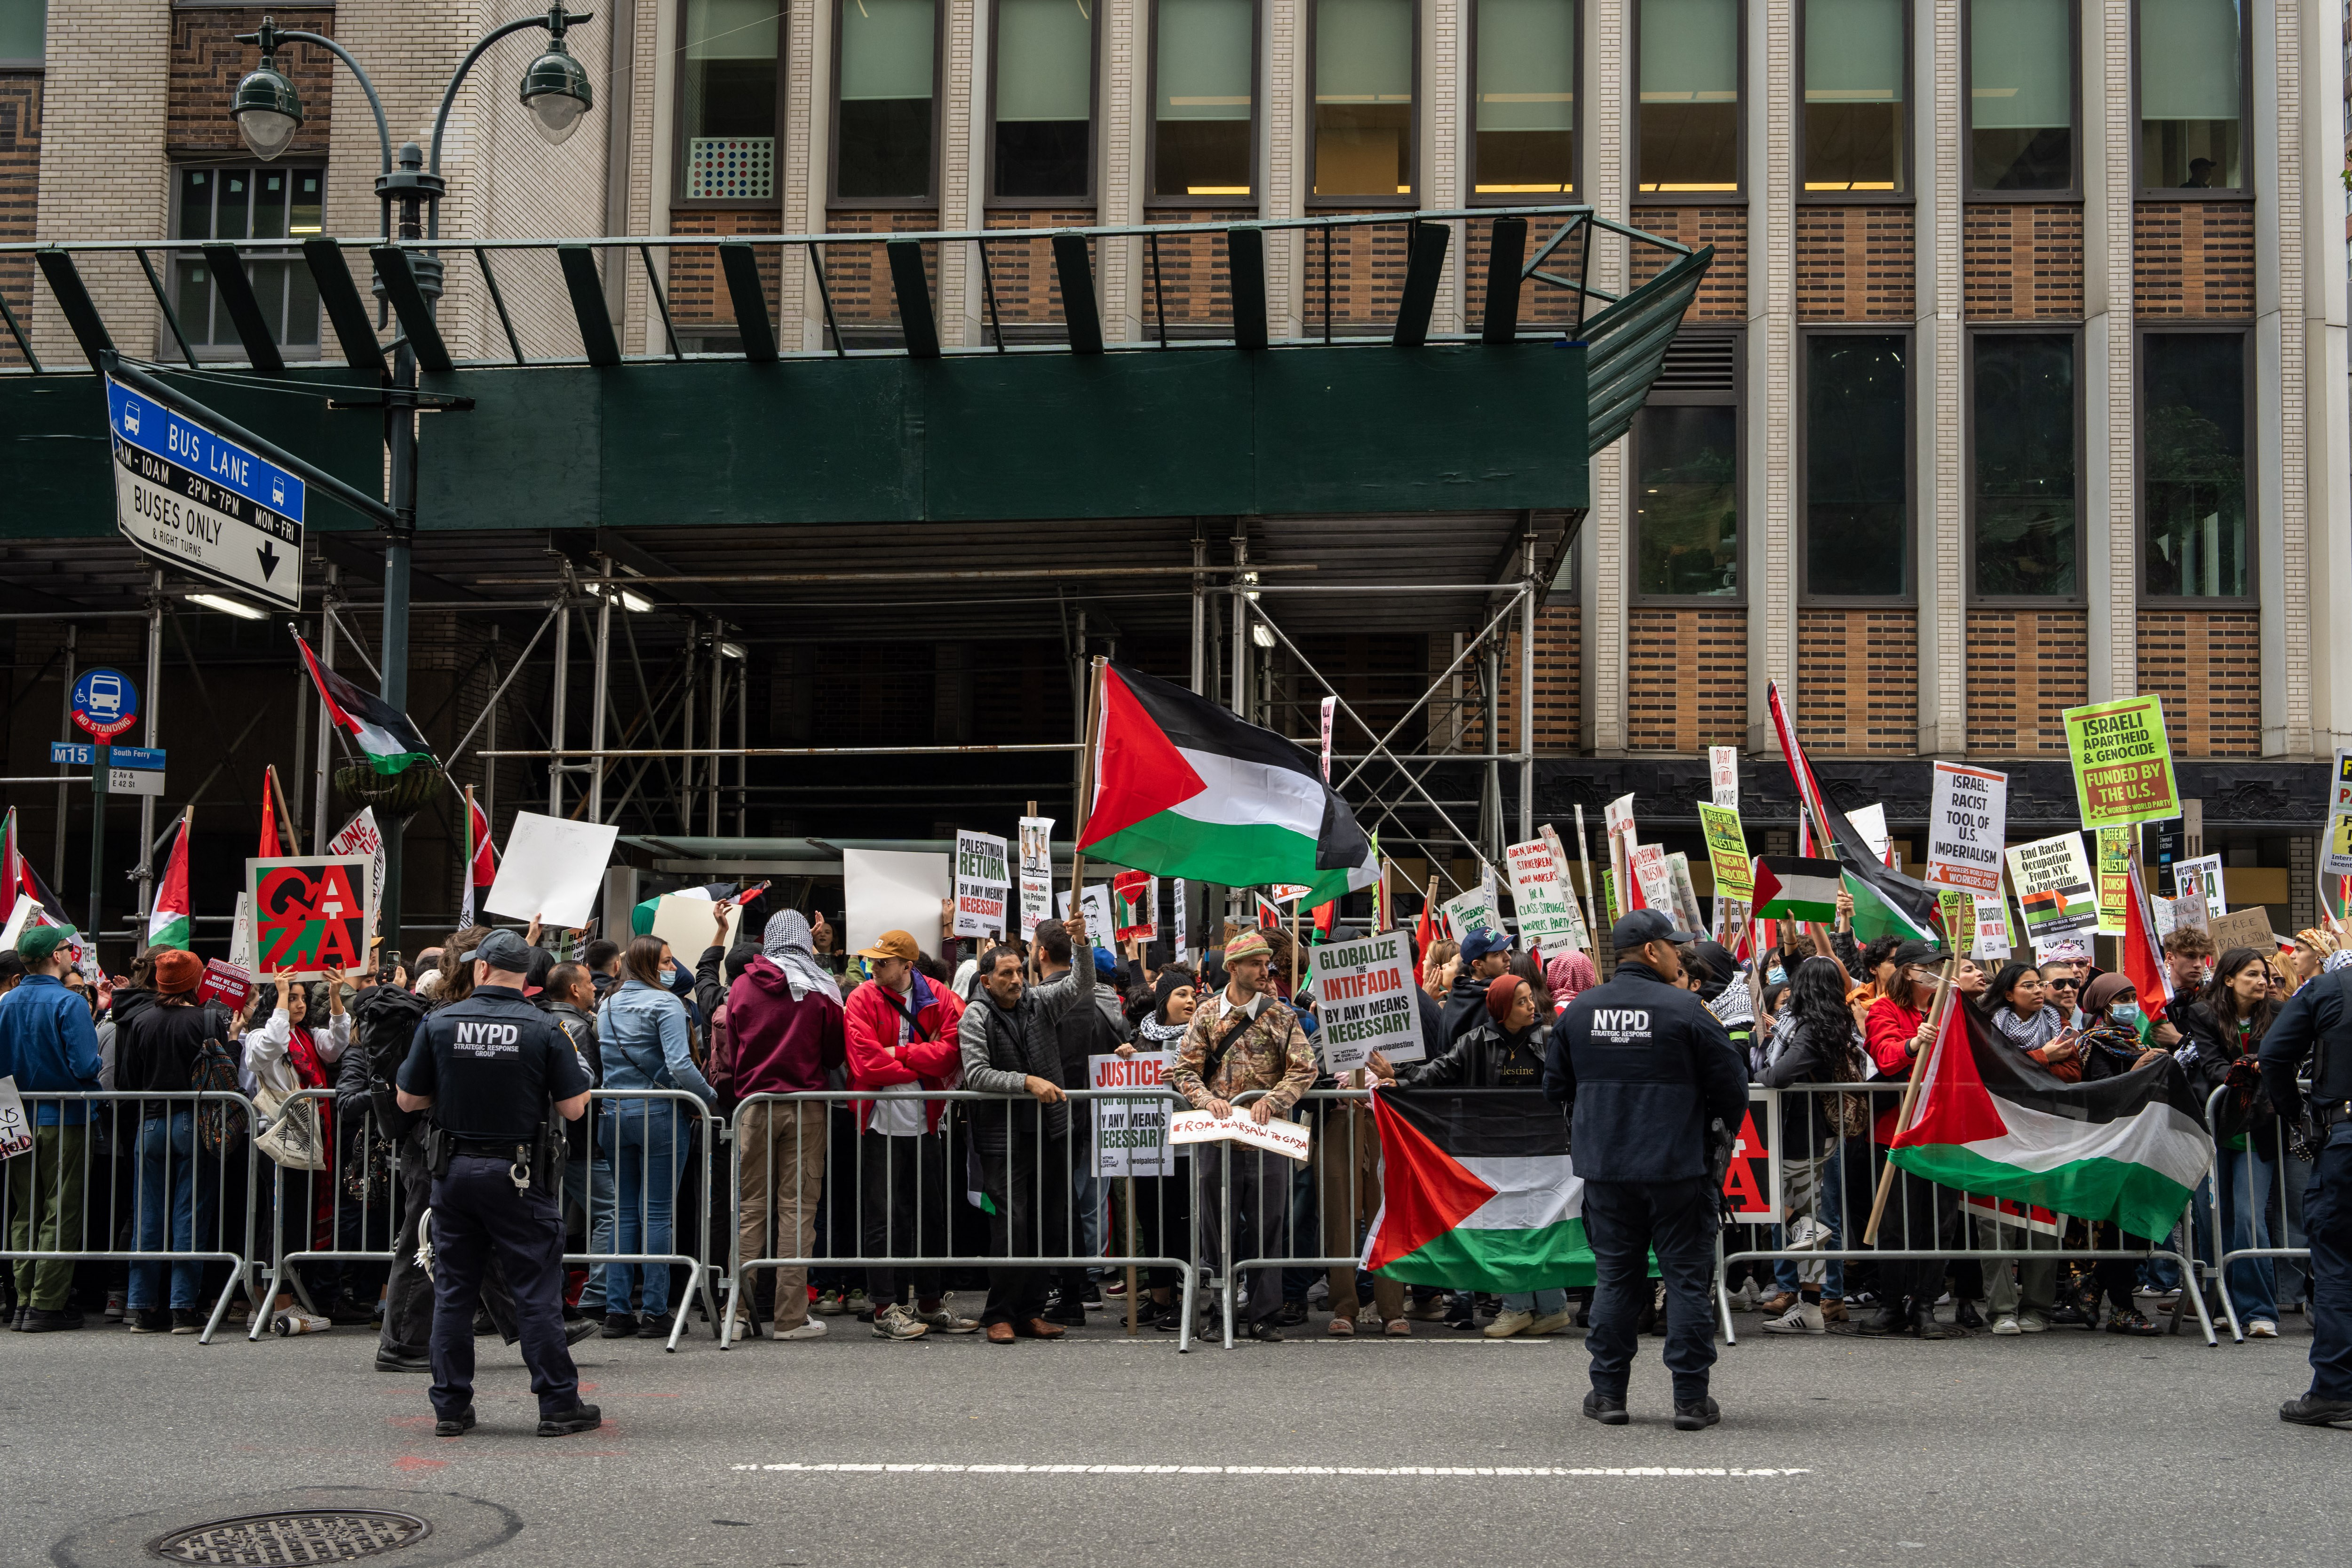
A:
[1886,901]
[1183,788]
[382,733]
[1476,1193]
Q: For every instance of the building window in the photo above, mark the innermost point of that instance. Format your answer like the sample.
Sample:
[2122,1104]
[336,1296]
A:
[1855,67]
[727,101]
[2192,445]
[1045,98]
[1364,63]
[1525,134]
[882,117]
[2023,425]
[267,203]
[1857,466]
[2022,95]
[23,24]
[2191,95]
[1686,500]
[1204,71]
[1689,126]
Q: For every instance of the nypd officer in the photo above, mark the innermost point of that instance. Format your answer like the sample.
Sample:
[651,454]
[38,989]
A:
[496,1074]
[2318,1019]
[1642,1067]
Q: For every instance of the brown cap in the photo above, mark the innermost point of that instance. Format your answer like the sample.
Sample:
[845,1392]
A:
[892,944]
[177,971]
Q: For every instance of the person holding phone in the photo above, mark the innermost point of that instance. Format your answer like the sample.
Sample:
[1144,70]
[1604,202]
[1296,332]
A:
[2024,1018]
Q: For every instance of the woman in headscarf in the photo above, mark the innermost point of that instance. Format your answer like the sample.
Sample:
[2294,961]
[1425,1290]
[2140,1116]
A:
[1568,975]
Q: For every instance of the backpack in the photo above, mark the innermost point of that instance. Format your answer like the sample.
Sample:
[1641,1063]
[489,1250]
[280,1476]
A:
[215,1071]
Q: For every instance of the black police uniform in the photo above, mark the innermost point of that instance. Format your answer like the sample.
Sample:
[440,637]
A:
[1643,1066]
[2319,1018]
[492,1064]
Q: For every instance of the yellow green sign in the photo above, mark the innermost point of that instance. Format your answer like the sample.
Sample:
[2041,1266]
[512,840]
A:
[1727,851]
[2114,872]
[2123,765]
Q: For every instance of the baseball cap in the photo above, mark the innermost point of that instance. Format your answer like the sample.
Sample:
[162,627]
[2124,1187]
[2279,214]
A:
[1484,943]
[1923,953]
[36,945]
[503,950]
[892,944]
[1644,926]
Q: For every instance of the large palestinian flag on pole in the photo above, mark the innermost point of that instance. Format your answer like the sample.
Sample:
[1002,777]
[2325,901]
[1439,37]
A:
[1183,788]
[1476,1193]
[2127,1150]
[382,733]
[1886,901]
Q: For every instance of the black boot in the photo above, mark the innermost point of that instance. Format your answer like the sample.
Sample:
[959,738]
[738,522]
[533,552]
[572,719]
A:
[1923,1320]
[1887,1319]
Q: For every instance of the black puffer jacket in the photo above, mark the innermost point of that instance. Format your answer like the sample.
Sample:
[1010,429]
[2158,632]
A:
[383,1024]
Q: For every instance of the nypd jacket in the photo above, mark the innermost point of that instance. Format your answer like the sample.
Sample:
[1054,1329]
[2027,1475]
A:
[1642,1066]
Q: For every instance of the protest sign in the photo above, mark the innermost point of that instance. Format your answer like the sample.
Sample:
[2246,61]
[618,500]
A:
[1036,872]
[1653,878]
[1617,817]
[16,1127]
[2053,886]
[1473,911]
[689,923]
[1183,919]
[1687,914]
[1135,906]
[2068,947]
[2203,875]
[983,884]
[240,934]
[1752,1181]
[894,890]
[2241,928]
[2115,853]
[1548,912]
[1131,1135]
[1726,852]
[19,917]
[1967,815]
[2336,846]
[2189,909]
[361,836]
[1870,821]
[309,914]
[1095,905]
[1289,1139]
[226,984]
[1364,996]
[2123,764]
[553,870]
[1723,776]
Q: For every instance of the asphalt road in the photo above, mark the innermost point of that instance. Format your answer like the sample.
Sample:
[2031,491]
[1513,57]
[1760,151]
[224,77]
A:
[2066,1448]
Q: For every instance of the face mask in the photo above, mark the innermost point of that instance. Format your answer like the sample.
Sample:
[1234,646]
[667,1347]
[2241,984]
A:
[2127,1013]
[1774,975]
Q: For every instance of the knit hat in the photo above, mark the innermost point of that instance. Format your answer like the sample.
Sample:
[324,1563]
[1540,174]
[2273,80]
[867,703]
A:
[1249,944]
[177,971]
[36,945]
[1501,992]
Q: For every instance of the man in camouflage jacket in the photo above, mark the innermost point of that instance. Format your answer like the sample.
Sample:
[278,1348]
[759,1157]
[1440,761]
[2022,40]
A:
[1211,1070]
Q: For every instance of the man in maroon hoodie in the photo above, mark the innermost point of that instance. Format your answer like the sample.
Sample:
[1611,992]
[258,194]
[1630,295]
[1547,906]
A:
[784,1021]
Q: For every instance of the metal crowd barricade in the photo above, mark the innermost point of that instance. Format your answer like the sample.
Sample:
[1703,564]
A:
[915,1228]
[2278,1220]
[700,1129]
[1347,1160]
[139,1179]
[1917,1210]
[362,1219]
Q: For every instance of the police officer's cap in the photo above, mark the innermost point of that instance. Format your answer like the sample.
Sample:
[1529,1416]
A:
[503,950]
[1647,926]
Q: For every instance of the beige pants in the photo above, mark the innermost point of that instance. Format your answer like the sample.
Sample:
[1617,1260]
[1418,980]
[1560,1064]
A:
[782,1144]
[1348,1189]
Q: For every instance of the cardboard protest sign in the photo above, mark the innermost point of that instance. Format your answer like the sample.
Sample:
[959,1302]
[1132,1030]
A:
[1870,821]
[1473,911]
[1287,1138]
[2203,875]
[553,870]
[1131,1135]
[2054,892]
[893,889]
[1687,914]
[2241,928]
[361,836]
[1547,908]
[2335,845]
[16,1127]
[1723,776]
[309,914]
[226,984]
[1617,817]
[1036,872]
[1967,815]
[1653,878]
[1095,904]
[1726,852]
[240,934]
[1364,996]
[689,924]
[983,884]
[2115,852]
[2123,764]
[1135,906]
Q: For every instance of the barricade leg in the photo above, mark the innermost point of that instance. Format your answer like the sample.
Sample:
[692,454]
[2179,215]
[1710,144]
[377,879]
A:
[1723,1292]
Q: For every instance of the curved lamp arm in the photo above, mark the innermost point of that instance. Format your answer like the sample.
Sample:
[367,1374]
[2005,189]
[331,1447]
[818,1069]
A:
[555,22]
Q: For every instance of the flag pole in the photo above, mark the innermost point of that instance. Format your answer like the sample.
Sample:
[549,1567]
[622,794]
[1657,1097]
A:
[1085,805]
[1031,807]
[1937,1012]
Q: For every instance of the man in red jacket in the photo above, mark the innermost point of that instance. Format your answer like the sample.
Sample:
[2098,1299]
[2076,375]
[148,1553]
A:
[901,1033]
[784,1030]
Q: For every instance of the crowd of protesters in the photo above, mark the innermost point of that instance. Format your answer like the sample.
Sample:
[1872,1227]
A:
[894,1166]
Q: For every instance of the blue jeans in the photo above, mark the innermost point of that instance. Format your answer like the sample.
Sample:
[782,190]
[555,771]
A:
[2246,1182]
[1542,1303]
[589,1184]
[168,1171]
[1828,1208]
[650,1155]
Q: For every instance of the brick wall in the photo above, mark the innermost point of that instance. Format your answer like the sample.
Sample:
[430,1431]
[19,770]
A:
[1854,263]
[1724,294]
[207,62]
[20,192]
[1858,681]
[1685,679]
[1559,681]
[1193,284]
[698,289]
[1540,303]
[1365,266]
[2024,667]
[2193,260]
[2207,665]
[858,276]
[2021,262]
[1028,284]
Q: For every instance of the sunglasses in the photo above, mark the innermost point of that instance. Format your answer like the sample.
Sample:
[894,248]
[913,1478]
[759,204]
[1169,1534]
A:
[2065,986]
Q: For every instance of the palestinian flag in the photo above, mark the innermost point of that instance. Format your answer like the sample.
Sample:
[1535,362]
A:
[1185,789]
[2127,1150]
[1790,889]
[384,734]
[2143,955]
[1886,901]
[19,880]
[167,924]
[1476,1193]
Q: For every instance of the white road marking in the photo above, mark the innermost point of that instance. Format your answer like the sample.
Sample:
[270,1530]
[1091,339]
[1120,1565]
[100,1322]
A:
[796,1468]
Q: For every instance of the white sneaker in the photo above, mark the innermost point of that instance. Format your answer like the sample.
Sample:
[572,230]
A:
[2007,1323]
[1509,1323]
[1804,1317]
[947,1322]
[2032,1322]
[1744,1300]
[1552,1323]
[894,1322]
[2261,1329]
[812,1329]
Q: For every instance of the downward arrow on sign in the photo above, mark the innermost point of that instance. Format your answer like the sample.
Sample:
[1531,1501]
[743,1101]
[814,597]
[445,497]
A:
[268,553]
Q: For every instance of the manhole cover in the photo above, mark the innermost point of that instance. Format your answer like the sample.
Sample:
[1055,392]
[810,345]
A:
[283,1538]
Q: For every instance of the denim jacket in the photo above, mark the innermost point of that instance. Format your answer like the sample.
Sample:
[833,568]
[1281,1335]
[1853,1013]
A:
[641,1030]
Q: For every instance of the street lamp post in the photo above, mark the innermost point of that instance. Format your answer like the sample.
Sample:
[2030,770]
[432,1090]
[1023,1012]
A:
[268,110]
